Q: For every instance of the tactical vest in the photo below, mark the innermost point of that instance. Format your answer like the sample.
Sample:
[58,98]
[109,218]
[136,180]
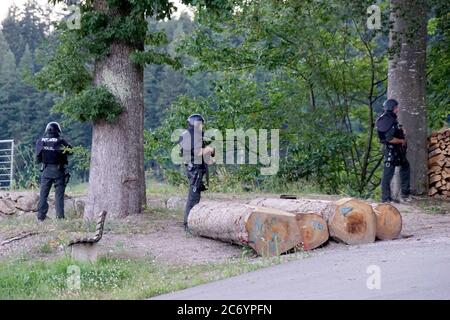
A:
[386,122]
[190,144]
[52,151]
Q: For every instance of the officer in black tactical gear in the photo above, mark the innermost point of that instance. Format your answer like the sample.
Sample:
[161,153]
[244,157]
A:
[392,136]
[196,157]
[50,151]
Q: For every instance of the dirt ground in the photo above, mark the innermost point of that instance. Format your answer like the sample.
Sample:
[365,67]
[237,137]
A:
[160,235]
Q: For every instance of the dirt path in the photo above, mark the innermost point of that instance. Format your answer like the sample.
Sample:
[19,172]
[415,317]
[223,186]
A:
[161,236]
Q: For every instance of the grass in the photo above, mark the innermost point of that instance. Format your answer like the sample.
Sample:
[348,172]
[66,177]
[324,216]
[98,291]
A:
[113,278]
[158,187]
[77,188]
[165,190]
[434,206]
[43,272]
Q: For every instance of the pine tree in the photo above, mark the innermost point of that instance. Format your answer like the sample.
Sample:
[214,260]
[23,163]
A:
[26,64]
[7,61]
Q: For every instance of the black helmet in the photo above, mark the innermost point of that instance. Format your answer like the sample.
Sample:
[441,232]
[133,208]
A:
[53,127]
[390,104]
[193,118]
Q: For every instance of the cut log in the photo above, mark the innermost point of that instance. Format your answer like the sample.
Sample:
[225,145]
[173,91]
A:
[220,220]
[268,231]
[435,178]
[433,191]
[349,220]
[435,152]
[433,147]
[389,221]
[436,160]
[272,232]
[435,169]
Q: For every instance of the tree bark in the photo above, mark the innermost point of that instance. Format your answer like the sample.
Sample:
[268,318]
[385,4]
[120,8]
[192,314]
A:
[349,220]
[407,81]
[117,179]
[268,231]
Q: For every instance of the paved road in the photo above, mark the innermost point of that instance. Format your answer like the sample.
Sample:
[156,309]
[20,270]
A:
[409,269]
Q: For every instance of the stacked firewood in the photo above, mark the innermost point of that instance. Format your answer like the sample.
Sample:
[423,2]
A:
[439,164]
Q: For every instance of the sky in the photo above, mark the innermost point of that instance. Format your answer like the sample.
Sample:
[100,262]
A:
[5,4]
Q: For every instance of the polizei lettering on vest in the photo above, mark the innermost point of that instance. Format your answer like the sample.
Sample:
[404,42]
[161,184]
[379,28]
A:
[49,139]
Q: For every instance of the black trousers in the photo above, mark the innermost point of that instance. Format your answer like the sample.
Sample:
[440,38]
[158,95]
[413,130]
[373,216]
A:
[52,175]
[195,175]
[388,173]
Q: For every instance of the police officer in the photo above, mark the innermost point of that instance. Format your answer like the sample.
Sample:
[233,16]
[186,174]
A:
[50,152]
[392,136]
[196,156]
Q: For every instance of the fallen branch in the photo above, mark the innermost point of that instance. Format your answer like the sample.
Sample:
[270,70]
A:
[19,237]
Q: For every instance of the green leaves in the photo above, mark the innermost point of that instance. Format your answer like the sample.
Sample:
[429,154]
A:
[67,70]
[308,68]
[92,104]
[152,57]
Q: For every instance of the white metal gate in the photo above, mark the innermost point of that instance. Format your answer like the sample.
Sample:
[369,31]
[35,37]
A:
[6,164]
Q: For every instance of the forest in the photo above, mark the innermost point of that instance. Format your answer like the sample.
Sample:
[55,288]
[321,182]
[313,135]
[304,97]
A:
[312,69]
[322,130]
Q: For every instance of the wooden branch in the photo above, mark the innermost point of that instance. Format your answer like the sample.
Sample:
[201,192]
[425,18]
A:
[19,237]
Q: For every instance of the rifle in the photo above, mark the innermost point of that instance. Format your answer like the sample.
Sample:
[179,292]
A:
[207,143]
[66,179]
[402,148]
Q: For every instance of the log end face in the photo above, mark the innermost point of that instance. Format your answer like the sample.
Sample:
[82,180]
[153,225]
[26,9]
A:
[354,222]
[389,222]
[271,234]
[313,230]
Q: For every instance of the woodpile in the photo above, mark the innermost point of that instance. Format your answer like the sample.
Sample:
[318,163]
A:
[439,164]
[275,226]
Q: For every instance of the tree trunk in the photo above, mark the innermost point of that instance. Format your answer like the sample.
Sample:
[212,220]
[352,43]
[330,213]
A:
[389,221]
[117,180]
[268,231]
[220,220]
[407,81]
[349,220]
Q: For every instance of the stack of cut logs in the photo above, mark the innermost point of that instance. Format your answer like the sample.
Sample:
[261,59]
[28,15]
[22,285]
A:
[439,164]
[274,226]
